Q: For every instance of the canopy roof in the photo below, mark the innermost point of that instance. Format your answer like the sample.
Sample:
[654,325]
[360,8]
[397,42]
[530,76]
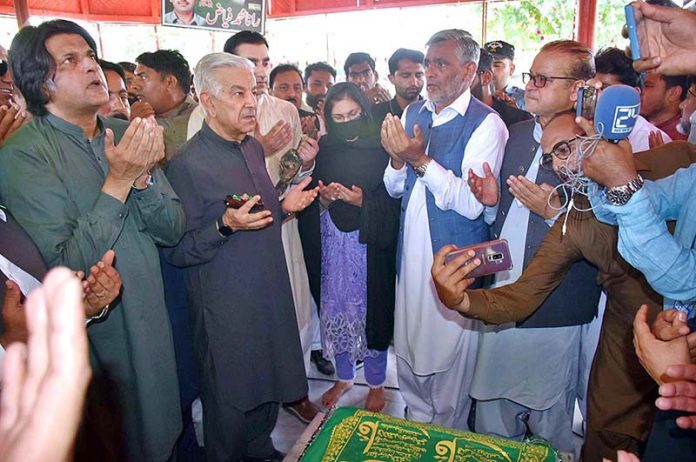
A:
[148,11]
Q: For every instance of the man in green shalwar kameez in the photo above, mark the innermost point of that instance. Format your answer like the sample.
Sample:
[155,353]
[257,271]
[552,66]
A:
[80,185]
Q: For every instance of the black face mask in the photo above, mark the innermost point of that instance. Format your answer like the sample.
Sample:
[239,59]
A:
[350,131]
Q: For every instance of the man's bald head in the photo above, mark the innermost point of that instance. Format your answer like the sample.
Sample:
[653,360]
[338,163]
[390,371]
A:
[559,140]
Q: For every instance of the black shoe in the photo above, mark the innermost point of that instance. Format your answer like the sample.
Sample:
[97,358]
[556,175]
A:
[277,456]
[324,366]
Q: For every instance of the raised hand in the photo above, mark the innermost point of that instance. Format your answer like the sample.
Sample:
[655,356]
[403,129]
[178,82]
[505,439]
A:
[352,196]
[611,164]
[667,41]
[45,381]
[309,126]
[298,198]
[278,136]
[102,285]
[308,150]
[11,118]
[655,139]
[485,189]
[327,194]
[378,94]
[141,147]
[13,316]
[505,98]
[397,142]
[670,324]
[141,109]
[541,199]
[680,394]
[654,354]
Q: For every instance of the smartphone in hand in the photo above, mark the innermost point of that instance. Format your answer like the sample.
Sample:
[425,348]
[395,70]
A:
[632,31]
[494,256]
[235,201]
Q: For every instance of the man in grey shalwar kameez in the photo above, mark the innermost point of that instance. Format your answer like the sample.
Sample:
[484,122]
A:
[245,330]
[77,195]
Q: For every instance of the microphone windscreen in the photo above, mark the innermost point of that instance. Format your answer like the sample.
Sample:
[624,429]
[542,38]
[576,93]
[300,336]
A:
[616,113]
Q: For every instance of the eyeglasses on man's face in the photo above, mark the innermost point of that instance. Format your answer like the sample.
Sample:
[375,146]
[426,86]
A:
[540,80]
[3,67]
[561,151]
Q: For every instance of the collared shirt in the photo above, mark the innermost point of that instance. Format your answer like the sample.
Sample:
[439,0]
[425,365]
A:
[172,18]
[419,311]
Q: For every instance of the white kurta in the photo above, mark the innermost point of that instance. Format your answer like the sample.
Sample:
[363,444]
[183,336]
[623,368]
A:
[268,112]
[427,335]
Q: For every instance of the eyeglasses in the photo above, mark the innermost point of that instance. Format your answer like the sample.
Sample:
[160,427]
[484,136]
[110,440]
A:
[541,80]
[561,151]
[3,67]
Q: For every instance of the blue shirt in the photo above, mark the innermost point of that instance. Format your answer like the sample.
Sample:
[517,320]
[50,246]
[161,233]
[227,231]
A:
[668,262]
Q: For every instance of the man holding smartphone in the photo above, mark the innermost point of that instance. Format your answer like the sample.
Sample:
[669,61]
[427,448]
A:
[621,394]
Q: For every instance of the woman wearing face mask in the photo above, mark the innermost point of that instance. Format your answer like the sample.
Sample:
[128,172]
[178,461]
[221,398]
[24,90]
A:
[359,223]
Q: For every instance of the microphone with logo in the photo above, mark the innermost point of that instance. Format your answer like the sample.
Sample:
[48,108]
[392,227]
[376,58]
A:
[616,112]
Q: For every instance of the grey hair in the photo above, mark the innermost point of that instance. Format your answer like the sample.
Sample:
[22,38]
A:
[204,78]
[468,49]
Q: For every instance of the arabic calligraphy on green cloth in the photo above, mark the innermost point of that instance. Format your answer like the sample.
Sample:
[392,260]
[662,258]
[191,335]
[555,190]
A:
[356,435]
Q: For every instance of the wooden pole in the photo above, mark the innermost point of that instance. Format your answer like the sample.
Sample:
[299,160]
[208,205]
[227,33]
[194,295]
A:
[21,12]
[586,18]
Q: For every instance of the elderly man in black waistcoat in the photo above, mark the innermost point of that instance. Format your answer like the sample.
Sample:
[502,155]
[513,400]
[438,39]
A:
[245,330]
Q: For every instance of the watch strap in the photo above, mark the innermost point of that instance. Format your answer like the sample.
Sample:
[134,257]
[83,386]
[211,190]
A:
[620,195]
[421,169]
[223,229]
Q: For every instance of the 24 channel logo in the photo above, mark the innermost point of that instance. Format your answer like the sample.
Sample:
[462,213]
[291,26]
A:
[624,118]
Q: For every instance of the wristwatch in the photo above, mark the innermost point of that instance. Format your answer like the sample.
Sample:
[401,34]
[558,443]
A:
[149,181]
[420,170]
[620,195]
[223,229]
